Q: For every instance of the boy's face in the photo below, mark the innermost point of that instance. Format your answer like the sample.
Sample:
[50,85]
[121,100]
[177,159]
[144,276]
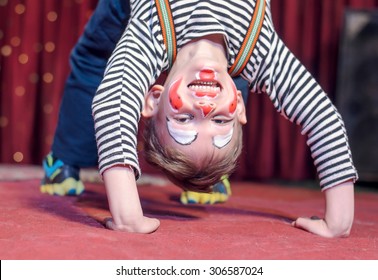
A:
[197,111]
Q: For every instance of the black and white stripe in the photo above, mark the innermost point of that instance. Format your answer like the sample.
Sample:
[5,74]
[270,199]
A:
[300,99]
[140,57]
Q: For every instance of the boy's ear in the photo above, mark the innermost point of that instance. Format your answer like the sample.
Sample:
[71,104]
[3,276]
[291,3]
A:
[240,109]
[152,100]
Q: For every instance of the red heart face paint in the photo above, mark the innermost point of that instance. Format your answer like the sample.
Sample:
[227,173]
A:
[174,98]
[206,108]
[232,107]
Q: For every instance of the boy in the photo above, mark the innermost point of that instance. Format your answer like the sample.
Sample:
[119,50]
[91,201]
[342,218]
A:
[74,145]
[196,116]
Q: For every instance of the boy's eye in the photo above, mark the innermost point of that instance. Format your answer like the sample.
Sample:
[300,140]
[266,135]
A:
[221,120]
[183,118]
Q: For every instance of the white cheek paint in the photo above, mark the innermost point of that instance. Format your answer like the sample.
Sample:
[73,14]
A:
[220,141]
[183,137]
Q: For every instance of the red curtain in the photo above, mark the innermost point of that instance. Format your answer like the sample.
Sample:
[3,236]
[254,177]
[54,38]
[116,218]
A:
[36,38]
[274,147]
[35,41]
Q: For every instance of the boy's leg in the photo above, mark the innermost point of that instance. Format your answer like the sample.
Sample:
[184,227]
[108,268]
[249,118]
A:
[74,144]
[222,190]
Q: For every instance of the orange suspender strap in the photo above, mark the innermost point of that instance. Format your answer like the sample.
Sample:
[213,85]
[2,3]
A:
[250,39]
[167,28]
[245,52]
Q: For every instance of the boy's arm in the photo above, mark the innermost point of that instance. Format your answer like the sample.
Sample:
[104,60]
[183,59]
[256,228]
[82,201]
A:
[124,202]
[300,99]
[339,213]
[133,67]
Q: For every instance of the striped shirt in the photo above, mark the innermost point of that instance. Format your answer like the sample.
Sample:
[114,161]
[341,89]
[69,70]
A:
[141,56]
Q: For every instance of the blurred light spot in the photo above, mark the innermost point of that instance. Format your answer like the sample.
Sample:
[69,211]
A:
[23,58]
[140,146]
[49,46]
[15,41]
[3,121]
[48,77]
[52,16]
[6,50]
[19,91]
[20,9]
[47,108]
[3,2]
[18,157]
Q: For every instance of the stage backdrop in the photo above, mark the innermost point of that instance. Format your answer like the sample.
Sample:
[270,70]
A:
[35,41]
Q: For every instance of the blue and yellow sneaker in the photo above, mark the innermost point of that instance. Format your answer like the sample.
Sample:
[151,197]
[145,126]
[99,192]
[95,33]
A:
[221,192]
[60,178]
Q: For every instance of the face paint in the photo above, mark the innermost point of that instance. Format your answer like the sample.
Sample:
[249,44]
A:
[174,98]
[207,74]
[183,137]
[232,107]
[206,94]
[206,108]
[220,141]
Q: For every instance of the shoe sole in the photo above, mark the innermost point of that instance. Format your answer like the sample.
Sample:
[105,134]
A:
[69,186]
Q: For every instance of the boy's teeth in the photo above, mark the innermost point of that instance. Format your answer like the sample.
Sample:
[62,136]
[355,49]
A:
[204,86]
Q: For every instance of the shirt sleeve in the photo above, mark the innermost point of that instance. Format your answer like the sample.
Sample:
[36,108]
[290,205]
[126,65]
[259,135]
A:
[133,67]
[300,99]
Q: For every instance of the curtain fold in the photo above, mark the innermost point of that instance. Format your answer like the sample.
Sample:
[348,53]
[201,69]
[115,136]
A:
[36,38]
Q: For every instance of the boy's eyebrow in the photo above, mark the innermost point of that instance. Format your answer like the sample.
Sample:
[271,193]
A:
[182,137]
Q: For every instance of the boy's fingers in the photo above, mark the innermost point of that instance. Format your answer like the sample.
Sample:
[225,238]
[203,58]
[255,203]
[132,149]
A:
[154,225]
[146,225]
[314,225]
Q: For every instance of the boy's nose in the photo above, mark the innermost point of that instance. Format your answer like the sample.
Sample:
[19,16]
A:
[206,107]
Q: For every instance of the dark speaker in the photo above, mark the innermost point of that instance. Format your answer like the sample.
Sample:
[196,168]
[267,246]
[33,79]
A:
[357,89]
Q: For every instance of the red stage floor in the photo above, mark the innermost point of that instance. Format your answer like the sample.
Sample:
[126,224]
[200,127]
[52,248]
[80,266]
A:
[253,224]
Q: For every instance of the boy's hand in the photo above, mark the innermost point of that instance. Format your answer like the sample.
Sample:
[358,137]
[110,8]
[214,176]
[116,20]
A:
[143,225]
[124,203]
[339,213]
[321,227]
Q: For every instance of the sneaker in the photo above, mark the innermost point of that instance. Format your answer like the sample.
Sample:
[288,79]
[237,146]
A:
[60,179]
[220,194]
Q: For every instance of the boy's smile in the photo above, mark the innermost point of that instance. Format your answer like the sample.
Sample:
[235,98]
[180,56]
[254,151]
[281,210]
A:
[200,116]
[199,105]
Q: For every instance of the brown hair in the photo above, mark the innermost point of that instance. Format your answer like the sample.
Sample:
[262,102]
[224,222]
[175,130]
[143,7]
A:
[181,170]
